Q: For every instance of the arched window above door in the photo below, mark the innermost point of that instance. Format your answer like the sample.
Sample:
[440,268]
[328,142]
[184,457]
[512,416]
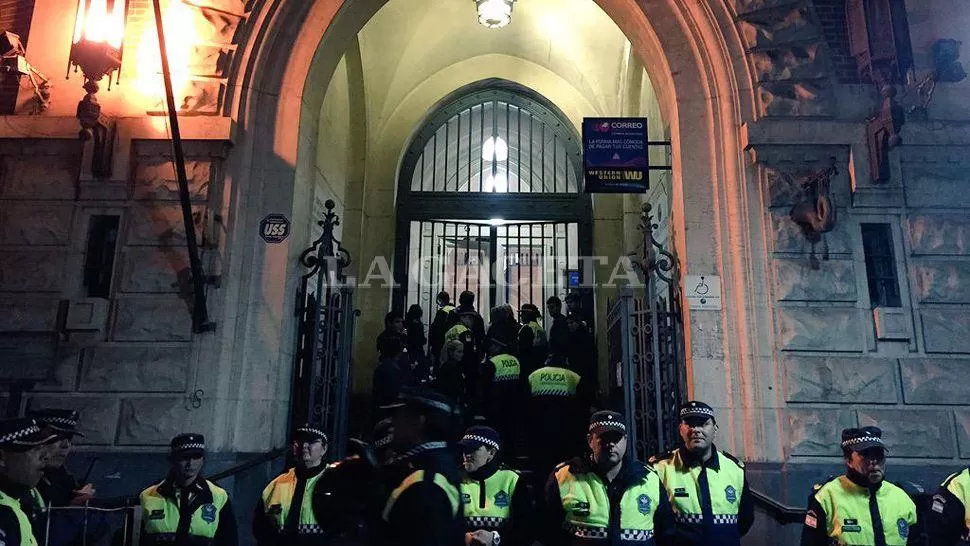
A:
[496,140]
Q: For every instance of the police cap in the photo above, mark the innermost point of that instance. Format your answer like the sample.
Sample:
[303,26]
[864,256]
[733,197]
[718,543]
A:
[62,421]
[478,436]
[861,439]
[605,421]
[696,411]
[21,434]
[383,434]
[188,445]
[423,401]
[310,433]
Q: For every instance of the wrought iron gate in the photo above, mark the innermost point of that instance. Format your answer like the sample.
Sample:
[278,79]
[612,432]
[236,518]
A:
[646,349]
[512,263]
[324,339]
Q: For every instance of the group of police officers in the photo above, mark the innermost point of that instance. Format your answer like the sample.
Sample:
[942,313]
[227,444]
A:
[409,487]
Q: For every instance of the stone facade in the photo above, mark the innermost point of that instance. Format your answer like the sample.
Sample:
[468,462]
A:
[144,343]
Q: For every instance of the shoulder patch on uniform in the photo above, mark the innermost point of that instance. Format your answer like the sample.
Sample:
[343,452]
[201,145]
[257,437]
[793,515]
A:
[733,458]
[939,504]
[811,520]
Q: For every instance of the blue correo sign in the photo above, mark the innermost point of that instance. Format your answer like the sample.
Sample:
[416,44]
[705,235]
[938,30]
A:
[274,228]
[615,155]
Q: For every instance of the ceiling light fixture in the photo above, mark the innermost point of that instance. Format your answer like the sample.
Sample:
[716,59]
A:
[495,149]
[494,13]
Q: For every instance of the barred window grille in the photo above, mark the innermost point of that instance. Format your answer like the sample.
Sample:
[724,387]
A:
[881,272]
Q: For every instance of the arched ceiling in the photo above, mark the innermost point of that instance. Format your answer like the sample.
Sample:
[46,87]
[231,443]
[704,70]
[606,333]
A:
[409,41]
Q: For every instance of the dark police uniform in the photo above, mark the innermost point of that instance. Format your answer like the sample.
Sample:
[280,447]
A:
[711,501]
[584,508]
[949,523]
[285,512]
[424,509]
[197,515]
[58,485]
[15,524]
[557,419]
[849,511]
[494,498]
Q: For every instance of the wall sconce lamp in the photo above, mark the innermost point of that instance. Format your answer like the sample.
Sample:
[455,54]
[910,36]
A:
[97,49]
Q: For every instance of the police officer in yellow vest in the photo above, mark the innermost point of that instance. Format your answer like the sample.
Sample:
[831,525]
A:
[860,508]
[23,456]
[949,516]
[556,418]
[502,390]
[424,509]
[286,513]
[185,509]
[606,498]
[495,501]
[707,487]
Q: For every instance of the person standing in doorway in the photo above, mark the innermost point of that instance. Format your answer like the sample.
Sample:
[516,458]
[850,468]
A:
[707,487]
[502,393]
[533,346]
[393,327]
[444,319]
[466,304]
[415,345]
[185,509]
[558,331]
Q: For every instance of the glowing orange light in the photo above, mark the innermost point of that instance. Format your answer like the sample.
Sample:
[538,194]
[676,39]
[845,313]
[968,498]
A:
[182,32]
[100,21]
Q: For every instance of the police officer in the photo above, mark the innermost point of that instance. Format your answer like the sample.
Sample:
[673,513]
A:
[555,412]
[424,509]
[502,393]
[472,358]
[606,498]
[841,511]
[185,509]
[949,515]
[707,487]
[286,511]
[495,501]
[58,487]
[533,346]
[23,456]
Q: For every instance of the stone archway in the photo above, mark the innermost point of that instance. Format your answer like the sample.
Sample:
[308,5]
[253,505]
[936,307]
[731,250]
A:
[696,60]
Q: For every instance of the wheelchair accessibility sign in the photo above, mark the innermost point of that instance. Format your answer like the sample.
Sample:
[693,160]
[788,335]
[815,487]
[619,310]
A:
[703,292]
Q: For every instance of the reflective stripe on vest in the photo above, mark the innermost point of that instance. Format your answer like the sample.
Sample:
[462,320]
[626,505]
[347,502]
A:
[959,485]
[848,520]
[539,335]
[455,332]
[160,514]
[454,496]
[278,498]
[681,483]
[586,506]
[552,381]
[491,510]
[26,532]
[507,367]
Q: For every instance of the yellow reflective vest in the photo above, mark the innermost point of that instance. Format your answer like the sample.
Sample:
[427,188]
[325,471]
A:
[278,500]
[553,381]
[683,487]
[160,514]
[586,506]
[539,334]
[487,503]
[419,476]
[847,517]
[507,367]
[455,332]
[26,532]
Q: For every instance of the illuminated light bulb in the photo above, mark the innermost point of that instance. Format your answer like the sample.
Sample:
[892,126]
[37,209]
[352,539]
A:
[494,13]
[495,149]
[498,183]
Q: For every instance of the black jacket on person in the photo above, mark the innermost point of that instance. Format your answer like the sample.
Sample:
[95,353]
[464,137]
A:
[10,532]
[478,328]
[389,333]
[555,534]
[423,514]
[264,528]
[415,341]
[390,376]
[581,356]
[947,522]
[519,529]
[57,486]
[558,335]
